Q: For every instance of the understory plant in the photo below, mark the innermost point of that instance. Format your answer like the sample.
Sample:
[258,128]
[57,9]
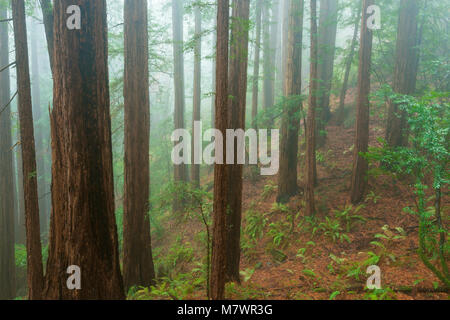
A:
[425,159]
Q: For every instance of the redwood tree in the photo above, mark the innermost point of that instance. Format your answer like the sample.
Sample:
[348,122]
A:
[255,80]
[311,117]
[195,168]
[7,260]
[180,170]
[83,229]
[287,177]
[406,64]
[34,254]
[360,165]
[348,65]
[138,266]
[326,51]
[237,86]
[36,99]
[221,179]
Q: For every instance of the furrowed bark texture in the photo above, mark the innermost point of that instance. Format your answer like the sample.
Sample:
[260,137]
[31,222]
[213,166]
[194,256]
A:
[405,75]
[83,229]
[221,180]
[138,268]
[287,176]
[34,253]
[237,86]
[7,235]
[360,165]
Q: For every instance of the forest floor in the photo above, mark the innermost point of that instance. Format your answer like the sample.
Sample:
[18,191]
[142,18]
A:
[286,255]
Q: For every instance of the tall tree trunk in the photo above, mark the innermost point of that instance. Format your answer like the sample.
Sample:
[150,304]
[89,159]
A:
[406,64]
[311,117]
[7,237]
[348,66]
[195,168]
[221,179]
[47,14]
[286,5]
[180,170]
[83,229]
[40,152]
[287,177]
[255,80]
[21,236]
[360,165]
[326,51]
[34,253]
[237,86]
[274,36]
[138,266]
[213,82]
[267,62]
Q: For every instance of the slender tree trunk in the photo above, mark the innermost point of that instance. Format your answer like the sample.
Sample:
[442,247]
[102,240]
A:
[255,83]
[326,51]
[267,62]
[34,253]
[237,85]
[40,152]
[21,236]
[287,177]
[311,118]
[195,168]
[406,64]
[221,179]
[360,165]
[213,82]
[83,229]
[285,41]
[138,266]
[7,237]
[348,66]
[47,13]
[180,171]
[274,36]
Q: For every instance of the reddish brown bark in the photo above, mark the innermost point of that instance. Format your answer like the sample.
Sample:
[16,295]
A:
[360,165]
[221,180]
[34,253]
[40,152]
[47,13]
[180,170]
[311,117]
[287,176]
[326,51]
[405,75]
[255,80]
[195,168]
[7,259]
[348,66]
[138,268]
[237,86]
[83,228]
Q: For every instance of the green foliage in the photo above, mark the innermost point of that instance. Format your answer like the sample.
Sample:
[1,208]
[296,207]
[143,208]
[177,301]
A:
[332,229]
[21,256]
[348,216]
[269,189]
[255,224]
[427,155]
[380,294]
[279,232]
